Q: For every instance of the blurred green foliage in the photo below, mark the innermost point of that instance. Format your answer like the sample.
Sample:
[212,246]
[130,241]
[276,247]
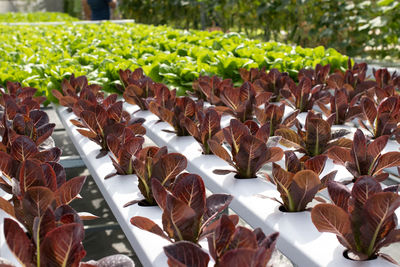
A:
[43,55]
[367,28]
[35,17]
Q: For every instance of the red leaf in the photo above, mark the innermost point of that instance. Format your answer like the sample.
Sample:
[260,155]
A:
[168,167]
[304,186]
[387,160]
[18,242]
[148,225]
[190,189]
[69,190]
[332,219]
[63,246]
[186,253]
[22,148]
[31,174]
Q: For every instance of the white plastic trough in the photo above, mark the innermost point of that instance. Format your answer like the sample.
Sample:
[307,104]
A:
[117,191]
[299,240]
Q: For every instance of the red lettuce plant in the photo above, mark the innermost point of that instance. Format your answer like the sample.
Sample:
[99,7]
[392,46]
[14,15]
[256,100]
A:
[363,219]
[19,99]
[365,158]
[34,196]
[271,82]
[36,126]
[186,253]
[273,116]
[210,88]
[124,149]
[156,163]
[45,248]
[300,182]
[187,213]
[20,150]
[240,101]
[138,87]
[384,118]
[249,149]
[315,140]
[341,110]
[252,75]
[76,89]
[229,245]
[174,110]
[232,245]
[386,84]
[208,126]
[303,96]
[101,122]
[318,76]
[353,80]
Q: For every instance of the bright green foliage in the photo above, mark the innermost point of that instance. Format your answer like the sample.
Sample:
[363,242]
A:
[35,17]
[42,56]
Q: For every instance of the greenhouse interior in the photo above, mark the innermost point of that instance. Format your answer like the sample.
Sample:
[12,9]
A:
[199,133]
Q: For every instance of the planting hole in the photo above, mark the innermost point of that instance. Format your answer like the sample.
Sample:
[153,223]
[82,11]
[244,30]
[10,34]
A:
[353,257]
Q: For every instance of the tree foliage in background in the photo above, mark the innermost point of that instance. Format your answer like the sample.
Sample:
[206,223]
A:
[73,8]
[355,27]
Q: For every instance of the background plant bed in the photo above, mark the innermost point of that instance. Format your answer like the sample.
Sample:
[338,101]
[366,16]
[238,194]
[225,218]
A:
[305,247]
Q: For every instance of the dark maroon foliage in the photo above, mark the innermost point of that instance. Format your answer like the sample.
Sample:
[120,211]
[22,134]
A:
[124,149]
[174,110]
[304,95]
[186,253]
[365,158]
[103,121]
[36,126]
[210,88]
[207,127]
[299,181]
[249,148]
[18,99]
[138,87]
[187,213]
[363,219]
[241,101]
[21,150]
[272,82]
[386,84]
[318,76]
[42,247]
[75,90]
[382,119]
[272,115]
[232,245]
[340,109]
[316,138]
[156,163]
[229,245]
